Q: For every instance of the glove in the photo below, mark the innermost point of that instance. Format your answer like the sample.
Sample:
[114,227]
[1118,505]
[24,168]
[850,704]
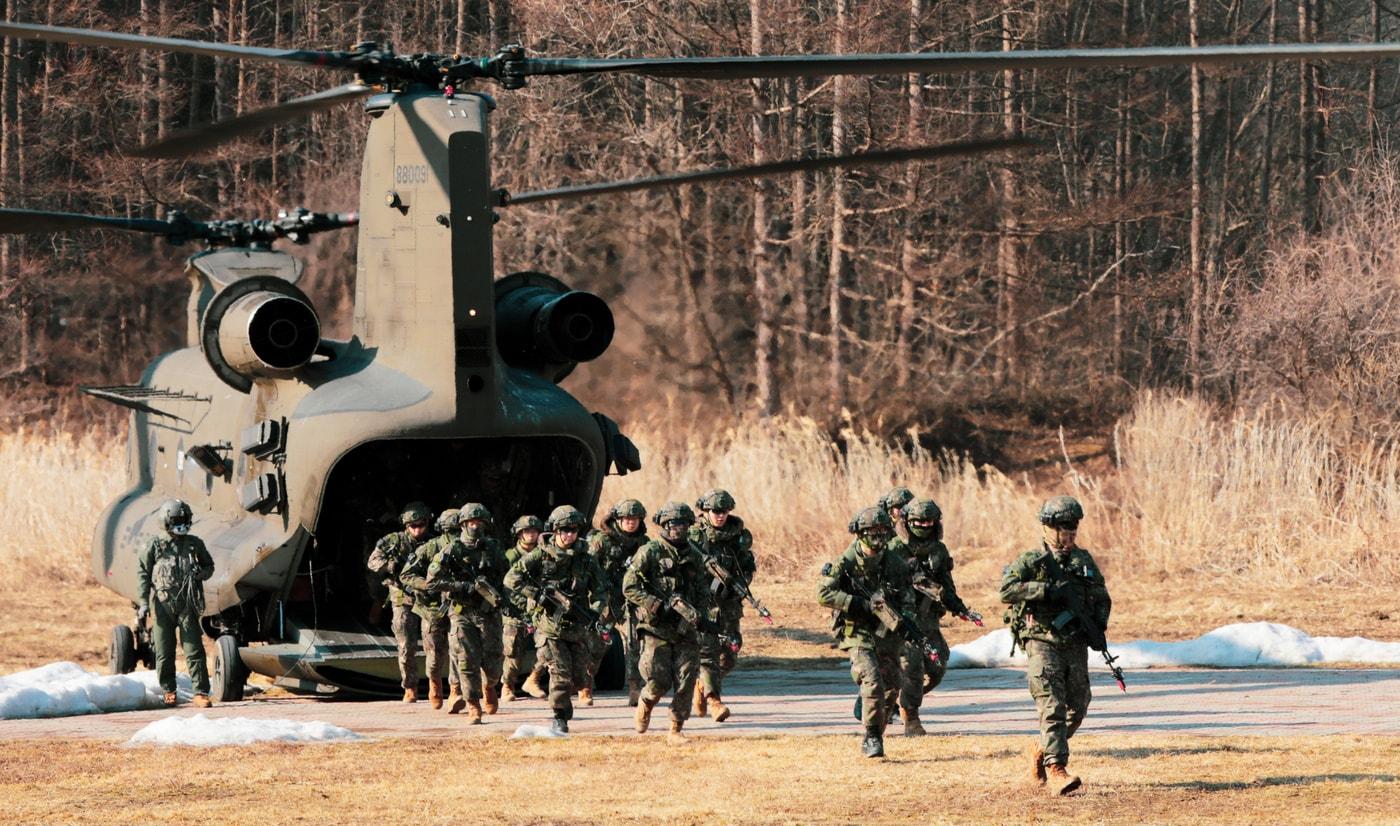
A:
[862,604]
[1057,592]
[142,613]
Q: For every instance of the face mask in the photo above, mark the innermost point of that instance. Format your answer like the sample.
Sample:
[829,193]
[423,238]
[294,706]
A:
[874,544]
[1058,538]
[674,532]
[179,530]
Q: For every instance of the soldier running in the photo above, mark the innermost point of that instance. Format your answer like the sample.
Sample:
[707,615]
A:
[561,588]
[518,636]
[387,560]
[665,584]
[1043,586]
[170,577]
[431,609]
[613,546]
[892,503]
[931,574]
[869,578]
[721,536]
[470,572]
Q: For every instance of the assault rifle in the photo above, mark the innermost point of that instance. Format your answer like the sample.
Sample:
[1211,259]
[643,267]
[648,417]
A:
[1076,614]
[687,612]
[565,604]
[493,598]
[894,620]
[737,585]
[934,591]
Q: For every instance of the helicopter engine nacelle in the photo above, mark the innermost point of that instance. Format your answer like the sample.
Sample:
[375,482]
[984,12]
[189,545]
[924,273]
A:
[259,327]
[545,327]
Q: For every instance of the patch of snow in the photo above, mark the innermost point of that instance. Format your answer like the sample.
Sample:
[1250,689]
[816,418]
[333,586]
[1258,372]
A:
[235,731]
[527,731]
[1232,646]
[64,689]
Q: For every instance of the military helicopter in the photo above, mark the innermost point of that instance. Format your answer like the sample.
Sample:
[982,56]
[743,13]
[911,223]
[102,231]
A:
[447,390]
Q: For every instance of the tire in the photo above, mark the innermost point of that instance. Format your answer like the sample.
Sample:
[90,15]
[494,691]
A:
[228,675]
[121,658]
[612,672]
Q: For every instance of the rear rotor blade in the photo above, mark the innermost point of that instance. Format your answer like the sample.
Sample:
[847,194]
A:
[199,139]
[23,221]
[118,40]
[720,68]
[886,156]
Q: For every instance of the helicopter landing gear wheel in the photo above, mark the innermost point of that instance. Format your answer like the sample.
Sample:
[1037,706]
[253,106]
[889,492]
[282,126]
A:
[121,659]
[229,674]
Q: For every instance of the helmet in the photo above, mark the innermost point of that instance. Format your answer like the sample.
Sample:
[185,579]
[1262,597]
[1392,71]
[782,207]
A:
[566,516]
[175,512]
[923,510]
[415,512]
[474,510]
[675,512]
[895,499]
[1061,511]
[715,500]
[628,507]
[871,519]
[525,523]
[448,520]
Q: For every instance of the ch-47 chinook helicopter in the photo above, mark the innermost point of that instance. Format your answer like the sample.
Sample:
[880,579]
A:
[282,441]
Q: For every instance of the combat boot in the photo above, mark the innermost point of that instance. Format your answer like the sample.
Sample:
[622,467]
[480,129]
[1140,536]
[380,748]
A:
[643,715]
[532,685]
[912,725]
[1037,757]
[202,701]
[634,694]
[491,704]
[676,738]
[508,694]
[473,712]
[171,700]
[873,745]
[718,707]
[410,695]
[1060,781]
[559,726]
[701,707]
[455,701]
[585,696]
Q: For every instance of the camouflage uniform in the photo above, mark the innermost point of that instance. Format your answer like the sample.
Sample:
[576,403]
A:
[518,636]
[431,610]
[170,577]
[847,585]
[732,546]
[475,636]
[670,645]
[613,550]
[387,560]
[1057,667]
[562,640]
[928,559]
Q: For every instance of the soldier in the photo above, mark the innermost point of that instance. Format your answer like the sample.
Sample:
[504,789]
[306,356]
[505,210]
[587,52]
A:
[387,560]
[559,586]
[518,636]
[432,612]
[931,573]
[1040,586]
[866,578]
[613,546]
[470,571]
[722,536]
[892,503]
[170,579]
[666,586]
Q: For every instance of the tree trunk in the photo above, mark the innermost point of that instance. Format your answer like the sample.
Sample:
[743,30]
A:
[1008,245]
[839,265]
[1372,123]
[1121,160]
[764,254]
[1194,310]
[1266,177]
[906,312]
[1307,110]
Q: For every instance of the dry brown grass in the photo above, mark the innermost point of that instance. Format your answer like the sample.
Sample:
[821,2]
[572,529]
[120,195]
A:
[1132,779]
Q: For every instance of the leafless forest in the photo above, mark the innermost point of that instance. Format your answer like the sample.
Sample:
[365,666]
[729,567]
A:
[1230,232]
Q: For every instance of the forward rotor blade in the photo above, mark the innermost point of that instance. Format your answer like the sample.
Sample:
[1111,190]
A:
[23,221]
[719,68]
[886,156]
[197,139]
[119,40]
